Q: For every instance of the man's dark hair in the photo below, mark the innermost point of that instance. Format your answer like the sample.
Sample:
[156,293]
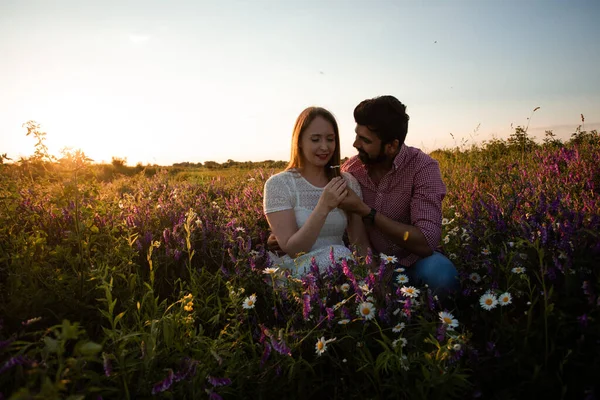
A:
[385,116]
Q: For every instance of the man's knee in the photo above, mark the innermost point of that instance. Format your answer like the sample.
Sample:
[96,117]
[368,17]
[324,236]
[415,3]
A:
[438,272]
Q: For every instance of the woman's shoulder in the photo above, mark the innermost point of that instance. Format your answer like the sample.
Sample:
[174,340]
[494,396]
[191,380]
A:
[281,178]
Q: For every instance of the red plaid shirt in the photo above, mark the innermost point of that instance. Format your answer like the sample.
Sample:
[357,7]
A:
[410,193]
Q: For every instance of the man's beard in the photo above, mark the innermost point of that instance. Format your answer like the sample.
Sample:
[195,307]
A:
[365,159]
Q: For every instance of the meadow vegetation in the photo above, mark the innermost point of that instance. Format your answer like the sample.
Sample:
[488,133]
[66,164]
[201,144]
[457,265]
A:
[122,282]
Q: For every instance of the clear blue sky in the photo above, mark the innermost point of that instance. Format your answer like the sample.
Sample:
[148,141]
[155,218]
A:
[164,82]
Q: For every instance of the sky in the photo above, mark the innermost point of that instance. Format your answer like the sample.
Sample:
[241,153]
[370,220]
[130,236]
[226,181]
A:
[161,82]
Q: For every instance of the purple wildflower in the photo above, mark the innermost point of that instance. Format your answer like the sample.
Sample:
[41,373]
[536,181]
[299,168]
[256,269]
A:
[441,333]
[218,381]
[212,395]
[281,347]
[369,257]
[164,384]
[266,354]
[306,306]
[14,361]
[314,267]
[106,364]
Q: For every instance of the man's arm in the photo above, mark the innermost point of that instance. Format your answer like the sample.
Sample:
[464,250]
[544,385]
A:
[422,237]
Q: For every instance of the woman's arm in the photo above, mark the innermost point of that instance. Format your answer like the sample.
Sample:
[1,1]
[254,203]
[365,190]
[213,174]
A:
[357,234]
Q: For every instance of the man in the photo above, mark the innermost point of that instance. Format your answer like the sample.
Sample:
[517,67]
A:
[402,192]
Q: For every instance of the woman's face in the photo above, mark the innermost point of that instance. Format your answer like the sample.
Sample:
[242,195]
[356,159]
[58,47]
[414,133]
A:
[317,143]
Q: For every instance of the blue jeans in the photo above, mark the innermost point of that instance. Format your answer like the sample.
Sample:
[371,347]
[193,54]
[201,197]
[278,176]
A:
[437,271]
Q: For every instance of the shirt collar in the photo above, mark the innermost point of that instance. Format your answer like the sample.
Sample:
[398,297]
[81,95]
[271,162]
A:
[400,157]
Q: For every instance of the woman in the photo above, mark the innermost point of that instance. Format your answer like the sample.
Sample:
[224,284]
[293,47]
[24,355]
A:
[301,202]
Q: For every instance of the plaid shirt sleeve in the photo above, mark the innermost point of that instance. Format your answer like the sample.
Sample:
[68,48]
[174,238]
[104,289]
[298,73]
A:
[426,203]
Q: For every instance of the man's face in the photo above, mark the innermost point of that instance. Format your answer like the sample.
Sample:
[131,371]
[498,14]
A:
[369,146]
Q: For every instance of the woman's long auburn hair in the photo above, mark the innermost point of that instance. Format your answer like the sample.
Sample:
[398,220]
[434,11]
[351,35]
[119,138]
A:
[302,122]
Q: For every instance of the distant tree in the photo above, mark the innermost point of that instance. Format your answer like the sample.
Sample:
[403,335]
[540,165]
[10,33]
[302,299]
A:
[118,162]
[212,165]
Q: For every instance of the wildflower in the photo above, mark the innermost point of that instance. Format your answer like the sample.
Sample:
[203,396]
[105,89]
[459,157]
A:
[270,270]
[388,259]
[486,251]
[400,269]
[344,321]
[251,179]
[488,301]
[366,310]
[511,244]
[240,229]
[410,291]
[452,256]
[189,307]
[402,341]
[505,299]
[106,364]
[475,277]
[321,345]
[345,287]
[249,302]
[448,319]
[218,381]
[518,270]
[398,327]
[402,279]
[445,221]
[31,321]
[164,384]
[446,239]
[405,363]
[456,347]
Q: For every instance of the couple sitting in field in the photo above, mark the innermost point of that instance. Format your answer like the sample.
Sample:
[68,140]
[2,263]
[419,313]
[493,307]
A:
[388,197]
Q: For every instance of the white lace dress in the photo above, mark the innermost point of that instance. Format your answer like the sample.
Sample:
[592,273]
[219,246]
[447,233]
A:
[289,190]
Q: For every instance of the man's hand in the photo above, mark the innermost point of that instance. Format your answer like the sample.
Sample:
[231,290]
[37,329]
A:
[352,203]
[273,245]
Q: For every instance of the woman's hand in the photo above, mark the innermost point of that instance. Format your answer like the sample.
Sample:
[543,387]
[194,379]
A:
[333,193]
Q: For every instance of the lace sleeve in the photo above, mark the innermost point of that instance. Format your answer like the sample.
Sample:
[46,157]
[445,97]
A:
[277,194]
[353,183]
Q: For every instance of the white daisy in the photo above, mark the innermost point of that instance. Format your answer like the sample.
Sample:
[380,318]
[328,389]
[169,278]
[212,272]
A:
[475,277]
[446,239]
[270,270]
[400,269]
[366,310]
[402,279]
[488,301]
[400,341]
[344,321]
[410,291]
[398,327]
[321,345]
[518,270]
[388,259]
[448,319]
[452,256]
[445,221]
[457,347]
[505,299]
[486,251]
[249,302]
[345,287]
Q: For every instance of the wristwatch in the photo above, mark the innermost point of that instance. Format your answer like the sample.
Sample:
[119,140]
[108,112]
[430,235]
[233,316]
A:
[370,217]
